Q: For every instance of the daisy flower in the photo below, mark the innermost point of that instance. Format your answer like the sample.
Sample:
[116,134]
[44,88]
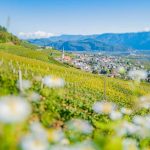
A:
[53,82]
[115,115]
[80,126]
[14,109]
[104,107]
[137,75]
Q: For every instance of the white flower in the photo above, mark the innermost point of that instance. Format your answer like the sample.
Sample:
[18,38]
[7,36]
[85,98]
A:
[147,122]
[115,115]
[143,132]
[130,144]
[126,111]
[127,128]
[37,130]
[144,102]
[53,82]
[142,121]
[131,128]
[26,84]
[85,145]
[56,135]
[144,125]
[64,141]
[80,126]
[139,120]
[137,75]
[30,142]
[61,147]
[103,107]
[37,139]
[14,109]
[35,97]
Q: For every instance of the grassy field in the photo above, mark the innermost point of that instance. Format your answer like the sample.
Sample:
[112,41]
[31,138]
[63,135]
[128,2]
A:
[77,97]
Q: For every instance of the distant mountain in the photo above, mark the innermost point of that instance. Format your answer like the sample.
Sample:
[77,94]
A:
[64,38]
[87,44]
[71,37]
[139,41]
[102,42]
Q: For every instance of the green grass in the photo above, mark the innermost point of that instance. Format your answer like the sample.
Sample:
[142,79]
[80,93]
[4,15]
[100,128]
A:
[82,88]
[43,55]
[75,100]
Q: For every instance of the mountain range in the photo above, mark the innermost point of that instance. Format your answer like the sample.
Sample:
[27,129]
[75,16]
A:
[99,42]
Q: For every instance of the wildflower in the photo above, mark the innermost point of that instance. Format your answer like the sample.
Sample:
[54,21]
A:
[14,109]
[127,128]
[115,115]
[53,82]
[61,147]
[143,125]
[143,132]
[31,142]
[142,121]
[126,111]
[130,144]
[103,107]
[85,145]
[56,135]
[79,125]
[35,97]
[137,75]
[26,84]
[144,102]
[37,130]
[139,120]
[64,141]
[147,124]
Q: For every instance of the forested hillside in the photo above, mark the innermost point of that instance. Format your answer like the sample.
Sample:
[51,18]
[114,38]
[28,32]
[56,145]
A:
[99,42]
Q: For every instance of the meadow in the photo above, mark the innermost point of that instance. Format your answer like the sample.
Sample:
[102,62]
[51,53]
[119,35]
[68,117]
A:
[68,109]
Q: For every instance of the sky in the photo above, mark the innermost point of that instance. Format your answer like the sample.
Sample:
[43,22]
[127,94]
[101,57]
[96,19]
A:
[43,18]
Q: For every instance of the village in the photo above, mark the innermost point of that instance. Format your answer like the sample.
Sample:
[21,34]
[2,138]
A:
[98,63]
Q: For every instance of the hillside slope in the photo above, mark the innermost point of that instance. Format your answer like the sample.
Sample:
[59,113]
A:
[81,90]
[6,37]
[30,52]
[63,113]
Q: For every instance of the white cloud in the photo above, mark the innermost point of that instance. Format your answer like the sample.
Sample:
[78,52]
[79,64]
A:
[34,35]
[147,29]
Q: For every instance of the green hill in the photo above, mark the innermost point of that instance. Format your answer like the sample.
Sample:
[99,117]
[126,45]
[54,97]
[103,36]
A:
[59,105]
[82,88]
[6,37]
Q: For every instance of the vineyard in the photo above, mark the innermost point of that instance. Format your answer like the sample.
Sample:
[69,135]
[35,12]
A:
[65,104]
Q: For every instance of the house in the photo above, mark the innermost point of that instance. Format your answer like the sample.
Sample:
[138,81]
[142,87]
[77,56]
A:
[67,58]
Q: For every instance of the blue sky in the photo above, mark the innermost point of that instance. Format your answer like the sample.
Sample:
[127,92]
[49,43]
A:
[75,16]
